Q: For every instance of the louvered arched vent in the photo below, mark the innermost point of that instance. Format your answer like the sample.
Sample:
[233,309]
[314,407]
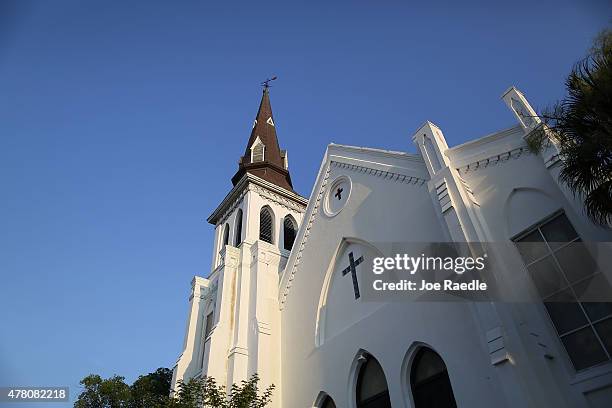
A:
[257,151]
[289,227]
[265,225]
[238,236]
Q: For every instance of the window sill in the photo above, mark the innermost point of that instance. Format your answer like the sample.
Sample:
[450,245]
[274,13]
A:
[593,378]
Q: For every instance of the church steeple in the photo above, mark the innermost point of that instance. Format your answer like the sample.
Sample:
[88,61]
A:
[263,156]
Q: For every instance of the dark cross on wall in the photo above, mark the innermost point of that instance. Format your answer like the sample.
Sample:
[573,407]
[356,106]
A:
[339,193]
[352,268]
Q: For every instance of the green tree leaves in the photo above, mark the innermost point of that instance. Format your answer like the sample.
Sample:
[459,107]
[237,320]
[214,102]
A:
[581,126]
[153,391]
[205,392]
[103,393]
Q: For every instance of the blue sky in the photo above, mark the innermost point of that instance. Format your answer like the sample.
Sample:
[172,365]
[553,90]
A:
[121,124]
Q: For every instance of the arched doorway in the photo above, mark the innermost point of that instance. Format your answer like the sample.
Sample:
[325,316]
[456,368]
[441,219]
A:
[429,381]
[372,390]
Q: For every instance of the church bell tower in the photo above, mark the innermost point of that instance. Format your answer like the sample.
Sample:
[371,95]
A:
[233,329]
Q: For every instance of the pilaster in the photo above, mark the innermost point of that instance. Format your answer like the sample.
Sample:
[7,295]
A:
[458,212]
[187,364]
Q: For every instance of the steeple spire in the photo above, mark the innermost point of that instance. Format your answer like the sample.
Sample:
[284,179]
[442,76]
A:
[263,157]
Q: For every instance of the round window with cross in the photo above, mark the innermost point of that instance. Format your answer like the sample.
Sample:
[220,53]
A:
[337,195]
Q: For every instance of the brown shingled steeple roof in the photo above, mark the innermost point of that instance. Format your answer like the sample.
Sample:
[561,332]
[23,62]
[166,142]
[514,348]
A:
[273,167]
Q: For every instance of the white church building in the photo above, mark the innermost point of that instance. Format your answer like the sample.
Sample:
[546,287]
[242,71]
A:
[283,298]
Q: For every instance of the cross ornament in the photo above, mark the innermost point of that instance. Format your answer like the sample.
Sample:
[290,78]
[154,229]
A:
[339,193]
[352,268]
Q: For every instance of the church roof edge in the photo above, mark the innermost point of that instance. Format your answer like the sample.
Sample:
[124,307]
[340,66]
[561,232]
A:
[487,138]
[383,152]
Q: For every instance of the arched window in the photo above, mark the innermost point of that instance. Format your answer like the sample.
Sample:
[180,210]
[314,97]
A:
[372,390]
[431,387]
[238,232]
[225,235]
[265,225]
[289,227]
[328,403]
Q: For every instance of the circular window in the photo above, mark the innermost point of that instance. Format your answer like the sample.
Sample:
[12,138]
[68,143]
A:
[337,195]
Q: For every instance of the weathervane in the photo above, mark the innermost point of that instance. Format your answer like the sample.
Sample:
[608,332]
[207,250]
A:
[266,83]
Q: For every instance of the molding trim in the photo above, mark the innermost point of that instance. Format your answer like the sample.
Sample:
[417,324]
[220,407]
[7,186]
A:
[494,160]
[278,199]
[388,175]
[232,206]
[238,350]
[236,194]
[262,327]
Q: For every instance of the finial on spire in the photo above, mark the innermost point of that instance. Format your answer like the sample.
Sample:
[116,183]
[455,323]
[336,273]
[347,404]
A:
[266,83]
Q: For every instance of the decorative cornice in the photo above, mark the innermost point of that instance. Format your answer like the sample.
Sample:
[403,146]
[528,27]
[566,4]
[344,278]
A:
[235,196]
[278,199]
[230,209]
[400,178]
[494,160]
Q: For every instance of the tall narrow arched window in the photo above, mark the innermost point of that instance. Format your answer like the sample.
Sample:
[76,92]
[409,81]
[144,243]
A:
[238,232]
[289,229]
[225,236]
[372,390]
[431,387]
[265,225]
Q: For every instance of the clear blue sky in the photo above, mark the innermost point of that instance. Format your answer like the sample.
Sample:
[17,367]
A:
[121,124]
